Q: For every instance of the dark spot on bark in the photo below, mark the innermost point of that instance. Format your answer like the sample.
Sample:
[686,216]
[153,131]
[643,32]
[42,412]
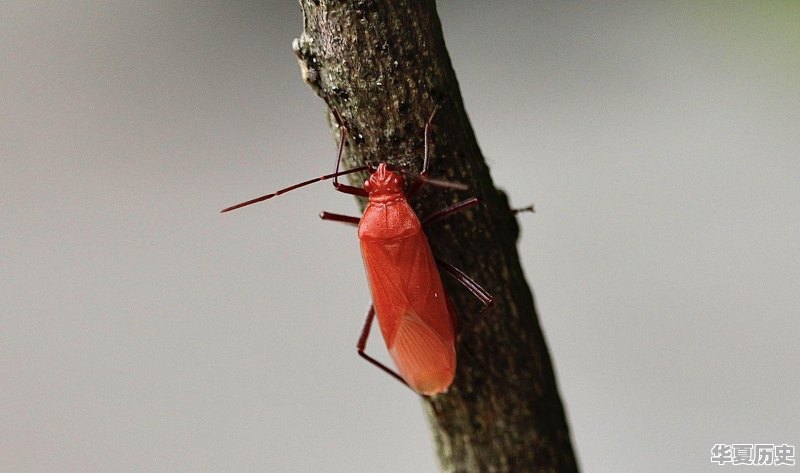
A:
[364,6]
[438,95]
[341,93]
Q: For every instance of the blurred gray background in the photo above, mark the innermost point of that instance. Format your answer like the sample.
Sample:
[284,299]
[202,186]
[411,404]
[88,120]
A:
[142,331]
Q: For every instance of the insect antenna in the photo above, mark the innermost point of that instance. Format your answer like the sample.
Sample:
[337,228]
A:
[293,187]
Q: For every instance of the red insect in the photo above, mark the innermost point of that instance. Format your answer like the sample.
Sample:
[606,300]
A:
[415,315]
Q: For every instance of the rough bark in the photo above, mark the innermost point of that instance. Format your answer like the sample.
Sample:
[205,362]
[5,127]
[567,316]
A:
[384,66]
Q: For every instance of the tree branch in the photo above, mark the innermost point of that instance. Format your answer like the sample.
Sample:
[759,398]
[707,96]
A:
[384,66]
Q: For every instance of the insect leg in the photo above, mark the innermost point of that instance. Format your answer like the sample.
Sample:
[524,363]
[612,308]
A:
[482,294]
[362,345]
[446,212]
[339,218]
[462,206]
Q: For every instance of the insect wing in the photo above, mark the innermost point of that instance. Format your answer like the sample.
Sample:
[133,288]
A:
[412,310]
